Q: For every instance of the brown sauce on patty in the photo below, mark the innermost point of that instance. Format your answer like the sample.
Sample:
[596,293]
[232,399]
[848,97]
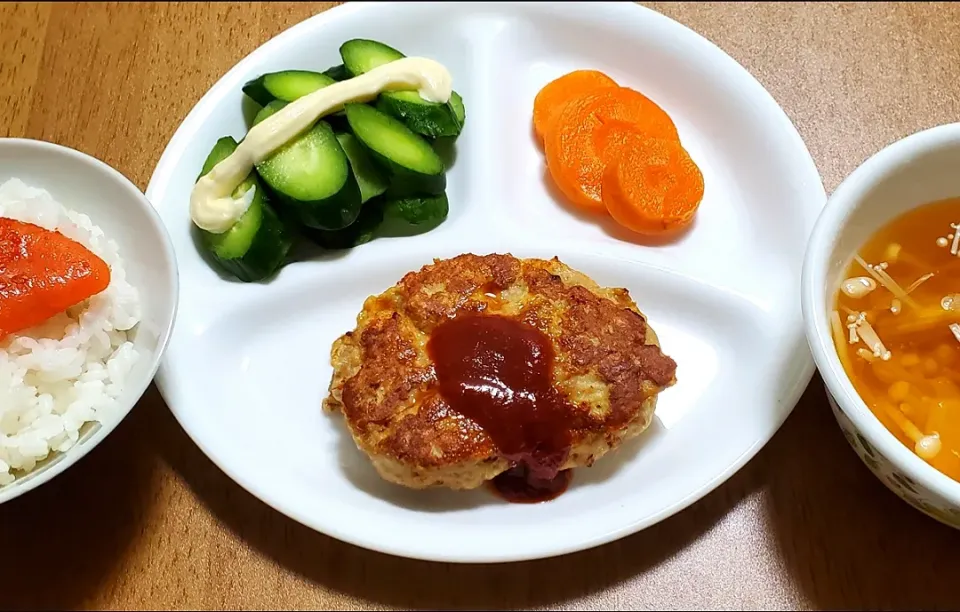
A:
[497,371]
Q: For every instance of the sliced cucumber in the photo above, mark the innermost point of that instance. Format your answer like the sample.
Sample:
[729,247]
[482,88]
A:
[287,85]
[423,117]
[427,118]
[272,107]
[221,150]
[412,163]
[256,246]
[371,178]
[459,110]
[361,55]
[337,73]
[363,230]
[313,177]
[413,215]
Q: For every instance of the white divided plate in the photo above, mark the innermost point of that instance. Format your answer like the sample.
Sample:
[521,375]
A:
[248,364]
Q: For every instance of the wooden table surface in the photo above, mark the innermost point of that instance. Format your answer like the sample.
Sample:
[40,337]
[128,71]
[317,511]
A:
[147,521]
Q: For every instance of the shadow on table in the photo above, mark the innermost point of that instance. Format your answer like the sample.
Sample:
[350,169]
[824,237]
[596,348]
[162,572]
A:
[61,542]
[847,541]
[415,584]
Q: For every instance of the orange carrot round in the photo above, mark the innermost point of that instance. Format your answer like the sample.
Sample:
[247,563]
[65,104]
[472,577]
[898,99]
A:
[555,94]
[610,138]
[631,106]
[570,142]
[654,187]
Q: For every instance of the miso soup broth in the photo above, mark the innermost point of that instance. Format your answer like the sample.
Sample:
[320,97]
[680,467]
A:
[896,326]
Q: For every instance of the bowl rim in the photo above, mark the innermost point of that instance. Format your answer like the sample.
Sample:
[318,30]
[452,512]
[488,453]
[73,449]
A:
[108,173]
[834,216]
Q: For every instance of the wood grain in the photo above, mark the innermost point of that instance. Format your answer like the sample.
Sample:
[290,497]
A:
[146,521]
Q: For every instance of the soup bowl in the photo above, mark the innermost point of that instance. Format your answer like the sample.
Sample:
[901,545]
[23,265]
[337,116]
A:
[916,170]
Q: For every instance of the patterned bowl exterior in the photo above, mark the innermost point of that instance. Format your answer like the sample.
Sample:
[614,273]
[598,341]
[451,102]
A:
[920,497]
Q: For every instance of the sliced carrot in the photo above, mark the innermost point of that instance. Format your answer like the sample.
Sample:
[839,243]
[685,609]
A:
[631,106]
[654,187]
[610,138]
[43,273]
[570,147]
[558,92]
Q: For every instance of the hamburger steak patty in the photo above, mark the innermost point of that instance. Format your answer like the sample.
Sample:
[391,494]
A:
[608,366]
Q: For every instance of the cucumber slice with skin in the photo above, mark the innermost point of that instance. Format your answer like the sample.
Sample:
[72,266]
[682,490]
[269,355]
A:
[428,118]
[220,151]
[412,163]
[363,230]
[361,55]
[272,107]
[413,215]
[312,175]
[370,177]
[459,110]
[258,243]
[337,73]
[287,85]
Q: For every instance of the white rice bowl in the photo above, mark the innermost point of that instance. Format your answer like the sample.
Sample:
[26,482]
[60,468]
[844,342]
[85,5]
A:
[71,370]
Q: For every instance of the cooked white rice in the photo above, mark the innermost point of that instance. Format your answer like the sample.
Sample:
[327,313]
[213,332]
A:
[69,371]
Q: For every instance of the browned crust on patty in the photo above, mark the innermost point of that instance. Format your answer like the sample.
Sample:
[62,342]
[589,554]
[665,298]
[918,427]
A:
[608,364]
